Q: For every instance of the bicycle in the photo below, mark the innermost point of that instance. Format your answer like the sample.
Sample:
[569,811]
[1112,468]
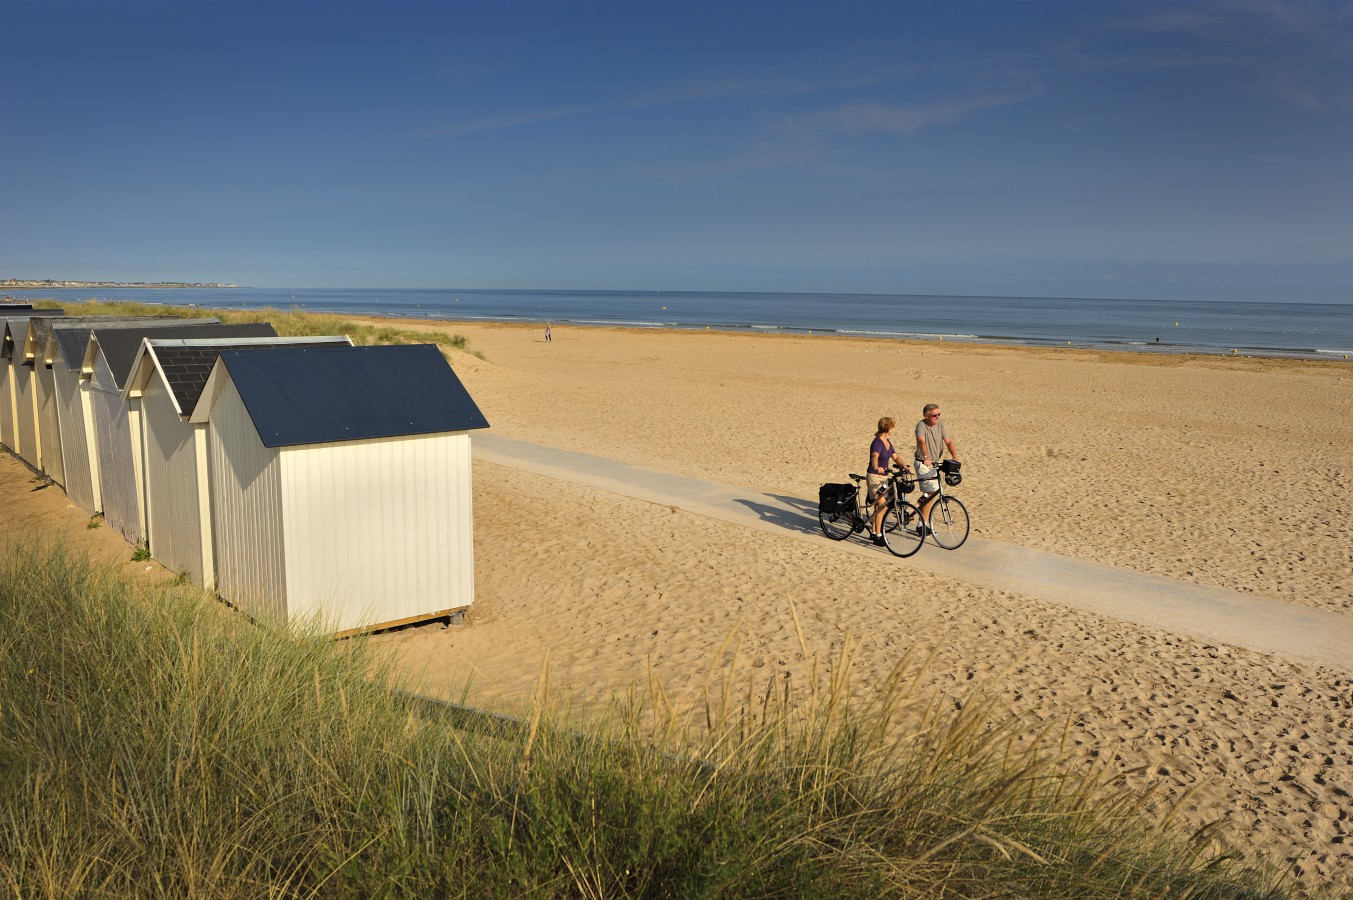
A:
[843,511]
[949,523]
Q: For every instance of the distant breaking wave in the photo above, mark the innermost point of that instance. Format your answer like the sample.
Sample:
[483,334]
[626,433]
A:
[1126,325]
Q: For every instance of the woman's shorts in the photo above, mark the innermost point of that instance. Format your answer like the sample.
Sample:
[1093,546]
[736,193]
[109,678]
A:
[876,484]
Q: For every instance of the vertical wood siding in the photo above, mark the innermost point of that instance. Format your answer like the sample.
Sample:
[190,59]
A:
[173,520]
[49,425]
[74,438]
[26,436]
[246,510]
[117,470]
[6,405]
[379,530]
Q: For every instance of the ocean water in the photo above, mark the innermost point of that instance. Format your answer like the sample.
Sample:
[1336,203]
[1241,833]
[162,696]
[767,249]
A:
[1315,330]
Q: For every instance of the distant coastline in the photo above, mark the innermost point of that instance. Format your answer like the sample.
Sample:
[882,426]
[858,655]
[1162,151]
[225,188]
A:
[52,283]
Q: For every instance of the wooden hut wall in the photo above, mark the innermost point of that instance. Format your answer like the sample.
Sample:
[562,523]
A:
[119,462]
[246,510]
[377,531]
[48,423]
[76,455]
[6,405]
[173,520]
[26,432]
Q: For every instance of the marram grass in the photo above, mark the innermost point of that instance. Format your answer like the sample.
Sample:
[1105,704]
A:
[152,743]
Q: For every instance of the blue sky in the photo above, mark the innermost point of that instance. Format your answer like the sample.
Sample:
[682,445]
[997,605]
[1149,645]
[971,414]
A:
[1137,149]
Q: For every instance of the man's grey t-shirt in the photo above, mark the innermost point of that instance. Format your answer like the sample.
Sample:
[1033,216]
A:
[934,437]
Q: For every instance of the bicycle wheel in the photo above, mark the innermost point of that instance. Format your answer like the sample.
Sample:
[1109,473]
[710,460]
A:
[949,522]
[839,525]
[891,522]
[899,531]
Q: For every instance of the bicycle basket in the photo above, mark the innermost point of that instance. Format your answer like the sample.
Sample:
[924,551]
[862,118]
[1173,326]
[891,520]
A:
[833,498]
[906,485]
[950,468]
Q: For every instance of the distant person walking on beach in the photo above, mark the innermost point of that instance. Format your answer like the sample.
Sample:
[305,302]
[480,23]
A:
[548,337]
[932,439]
[882,454]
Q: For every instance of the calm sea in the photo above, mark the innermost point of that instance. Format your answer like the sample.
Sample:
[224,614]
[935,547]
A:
[1318,330]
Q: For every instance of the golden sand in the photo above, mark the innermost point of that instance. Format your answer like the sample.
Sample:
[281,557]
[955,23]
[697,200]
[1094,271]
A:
[1227,472]
[1231,472]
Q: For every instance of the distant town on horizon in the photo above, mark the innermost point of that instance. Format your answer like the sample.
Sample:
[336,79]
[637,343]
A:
[55,283]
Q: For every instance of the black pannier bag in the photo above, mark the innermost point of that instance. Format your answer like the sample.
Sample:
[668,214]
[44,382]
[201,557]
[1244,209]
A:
[834,498]
[952,476]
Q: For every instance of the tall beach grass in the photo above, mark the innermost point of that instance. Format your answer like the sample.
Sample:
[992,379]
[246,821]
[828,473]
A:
[153,743]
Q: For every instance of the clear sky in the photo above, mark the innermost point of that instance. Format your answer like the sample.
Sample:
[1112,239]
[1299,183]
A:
[1079,148]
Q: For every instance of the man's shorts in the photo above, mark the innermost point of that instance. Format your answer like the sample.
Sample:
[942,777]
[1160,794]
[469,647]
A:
[926,478]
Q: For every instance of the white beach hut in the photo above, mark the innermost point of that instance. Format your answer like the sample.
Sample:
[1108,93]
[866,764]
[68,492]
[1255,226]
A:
[6,402]
[39,348]
[341,484]
[167,378]
[107,361]
[64,355]
[23,429]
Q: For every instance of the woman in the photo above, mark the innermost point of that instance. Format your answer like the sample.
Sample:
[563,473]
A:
[882,454]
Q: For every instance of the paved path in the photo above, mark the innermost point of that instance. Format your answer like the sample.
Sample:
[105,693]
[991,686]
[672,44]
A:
[1210,614]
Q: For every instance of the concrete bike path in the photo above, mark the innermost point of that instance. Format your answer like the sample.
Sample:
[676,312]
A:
[1209,614]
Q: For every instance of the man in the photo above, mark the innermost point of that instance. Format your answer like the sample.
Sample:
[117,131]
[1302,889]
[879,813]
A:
[932,439]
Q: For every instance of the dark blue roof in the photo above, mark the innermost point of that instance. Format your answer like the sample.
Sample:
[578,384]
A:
[72,332]
[327,394]
[186,369]
[18,323]
[119,344]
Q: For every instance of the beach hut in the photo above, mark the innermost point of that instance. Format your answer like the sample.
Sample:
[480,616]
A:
[39,348]
[107,362]
[64,355]
[21,436]
[6,404]
[167,378]
[6,386]
[341,484]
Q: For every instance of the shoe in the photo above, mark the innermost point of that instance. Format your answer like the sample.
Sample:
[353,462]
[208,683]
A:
[878,540]
[923,530]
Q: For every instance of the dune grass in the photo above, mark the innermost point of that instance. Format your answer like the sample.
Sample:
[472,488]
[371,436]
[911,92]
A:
[154,743]
[292,323]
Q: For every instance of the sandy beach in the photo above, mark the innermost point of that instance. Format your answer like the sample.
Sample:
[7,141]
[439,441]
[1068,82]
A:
[1231,472]
[1228,472]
